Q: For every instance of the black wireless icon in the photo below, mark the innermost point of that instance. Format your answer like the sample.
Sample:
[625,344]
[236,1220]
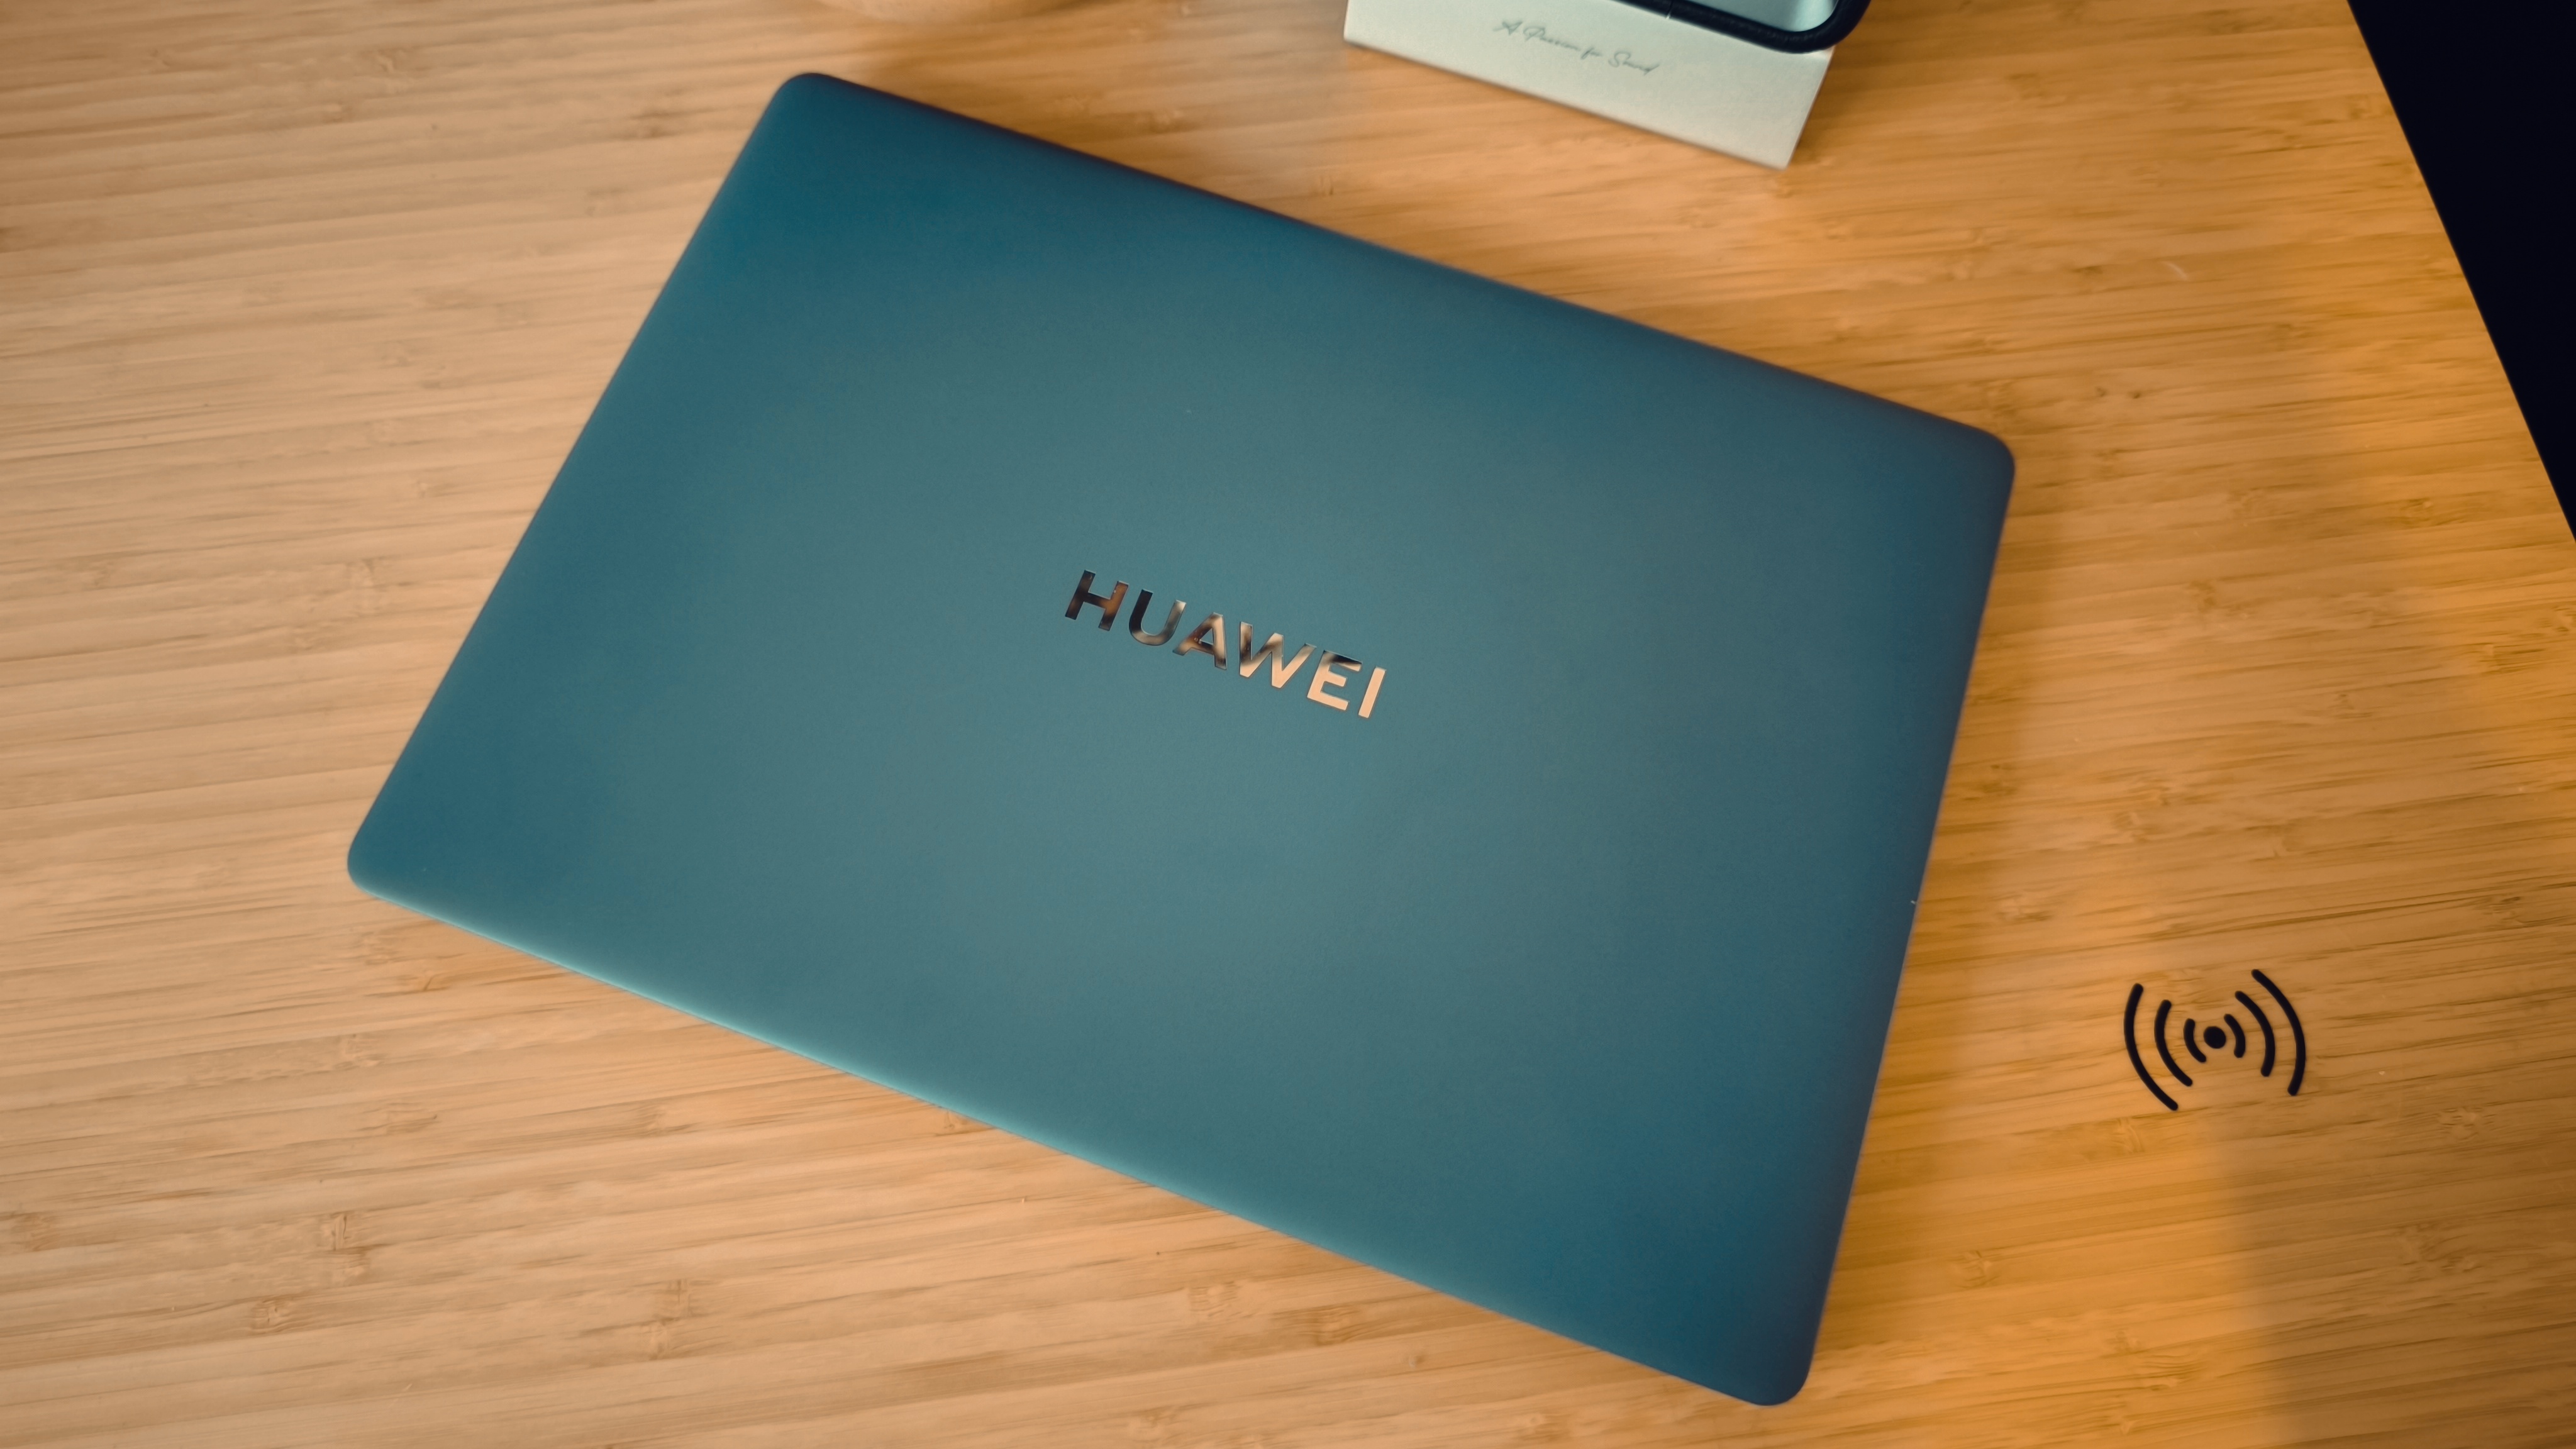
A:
[2194,1036]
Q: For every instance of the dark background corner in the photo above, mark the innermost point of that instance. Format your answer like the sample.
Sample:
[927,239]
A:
[2490,130]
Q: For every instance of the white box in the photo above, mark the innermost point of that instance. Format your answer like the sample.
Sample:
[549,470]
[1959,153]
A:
[1612,59]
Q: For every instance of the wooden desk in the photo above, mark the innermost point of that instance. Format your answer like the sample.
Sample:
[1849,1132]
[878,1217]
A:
[300,306]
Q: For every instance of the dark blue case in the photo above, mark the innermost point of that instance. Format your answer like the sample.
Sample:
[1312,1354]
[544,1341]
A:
[1558,982]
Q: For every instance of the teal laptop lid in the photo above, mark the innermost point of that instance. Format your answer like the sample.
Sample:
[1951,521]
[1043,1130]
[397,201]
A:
[1437,771]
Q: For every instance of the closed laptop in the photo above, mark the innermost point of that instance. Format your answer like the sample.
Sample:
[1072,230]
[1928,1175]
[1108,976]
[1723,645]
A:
[1432,769]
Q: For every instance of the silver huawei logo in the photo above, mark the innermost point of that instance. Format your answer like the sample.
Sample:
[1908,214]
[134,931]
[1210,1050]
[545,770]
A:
[1332,671]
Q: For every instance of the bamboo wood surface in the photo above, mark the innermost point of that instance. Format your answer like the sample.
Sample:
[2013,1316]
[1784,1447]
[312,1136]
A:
[300,305]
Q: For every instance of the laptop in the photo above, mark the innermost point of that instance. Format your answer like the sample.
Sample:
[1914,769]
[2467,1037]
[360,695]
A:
[1431,769]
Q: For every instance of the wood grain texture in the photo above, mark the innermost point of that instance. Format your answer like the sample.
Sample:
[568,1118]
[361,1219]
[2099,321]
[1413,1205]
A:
[301,303]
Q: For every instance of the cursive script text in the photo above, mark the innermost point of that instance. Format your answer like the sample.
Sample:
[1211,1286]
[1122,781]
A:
[1535,34]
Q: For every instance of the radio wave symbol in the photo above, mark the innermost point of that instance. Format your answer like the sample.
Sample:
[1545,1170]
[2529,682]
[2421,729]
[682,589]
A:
[2216,1038]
